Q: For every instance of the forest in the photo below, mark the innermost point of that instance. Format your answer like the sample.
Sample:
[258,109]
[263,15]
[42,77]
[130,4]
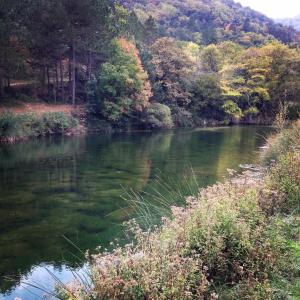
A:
[145,64]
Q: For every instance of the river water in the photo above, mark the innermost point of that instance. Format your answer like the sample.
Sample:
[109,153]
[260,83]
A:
[57,190]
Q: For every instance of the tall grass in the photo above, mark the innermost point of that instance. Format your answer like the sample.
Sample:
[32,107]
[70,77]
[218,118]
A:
[281,143]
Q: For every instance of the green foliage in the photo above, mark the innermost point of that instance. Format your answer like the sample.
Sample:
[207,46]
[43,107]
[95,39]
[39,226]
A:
[158,116]
[284,177]
[232,109]
[207,98]
[21,126]
[121,87]
[211,22]
[56,123]
[281,143]
[182,118]
[214,60]
[211,59]
[9,125]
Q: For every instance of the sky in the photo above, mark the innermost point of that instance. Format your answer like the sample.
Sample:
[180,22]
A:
[274,8]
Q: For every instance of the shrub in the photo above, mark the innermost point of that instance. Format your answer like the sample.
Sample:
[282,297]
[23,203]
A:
[284,177]
[183,118]
[22,126]
[220,244]
[232,110]
[282,143]
[9,125]
[57,123]
[158,116]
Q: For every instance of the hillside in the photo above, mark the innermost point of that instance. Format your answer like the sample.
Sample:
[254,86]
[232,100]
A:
[211,21]
[295,22]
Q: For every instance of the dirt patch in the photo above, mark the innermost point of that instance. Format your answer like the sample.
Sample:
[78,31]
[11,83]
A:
[41,108]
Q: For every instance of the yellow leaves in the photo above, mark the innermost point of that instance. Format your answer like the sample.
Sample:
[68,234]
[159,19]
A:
[192,50]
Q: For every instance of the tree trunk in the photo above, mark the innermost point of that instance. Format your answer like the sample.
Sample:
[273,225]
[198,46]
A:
[70,77]
[48,79]
[90,66]
[1,85]
[56,78]
[44,75]
[73,75]
[62,86]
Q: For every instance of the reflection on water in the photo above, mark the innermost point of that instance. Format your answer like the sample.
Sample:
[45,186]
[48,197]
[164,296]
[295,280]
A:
[73,187]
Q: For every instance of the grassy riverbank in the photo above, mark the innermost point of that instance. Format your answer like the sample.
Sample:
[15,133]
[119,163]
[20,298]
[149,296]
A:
[15,127]
[236,240]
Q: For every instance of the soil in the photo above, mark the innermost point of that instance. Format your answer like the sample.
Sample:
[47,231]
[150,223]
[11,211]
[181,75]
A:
[40,108]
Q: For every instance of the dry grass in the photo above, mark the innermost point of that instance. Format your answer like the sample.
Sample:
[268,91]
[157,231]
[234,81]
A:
[41,108]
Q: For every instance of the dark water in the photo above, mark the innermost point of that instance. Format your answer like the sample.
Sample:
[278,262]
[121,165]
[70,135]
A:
[73,187]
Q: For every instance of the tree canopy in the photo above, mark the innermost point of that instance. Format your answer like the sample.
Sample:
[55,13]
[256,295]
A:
[202,60]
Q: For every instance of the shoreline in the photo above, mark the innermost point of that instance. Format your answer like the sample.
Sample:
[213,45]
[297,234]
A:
[232,240]
[83,129]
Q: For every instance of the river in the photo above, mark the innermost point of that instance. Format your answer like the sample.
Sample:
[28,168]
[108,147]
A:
[57,190]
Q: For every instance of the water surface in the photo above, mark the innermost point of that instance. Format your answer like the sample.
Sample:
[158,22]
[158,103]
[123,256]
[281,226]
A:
[73,187]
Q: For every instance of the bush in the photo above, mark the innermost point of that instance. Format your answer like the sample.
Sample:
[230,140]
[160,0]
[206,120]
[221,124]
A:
[232,110]
[220,244]
[183,118]
[98,125]
[22,126]
[9,125]
[284,177]
[281,143]
[158,116]
[57,123]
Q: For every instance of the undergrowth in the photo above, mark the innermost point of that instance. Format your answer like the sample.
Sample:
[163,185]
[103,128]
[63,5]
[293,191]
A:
[21,126]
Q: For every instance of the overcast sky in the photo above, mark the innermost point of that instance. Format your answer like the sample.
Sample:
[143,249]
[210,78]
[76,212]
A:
[274,8]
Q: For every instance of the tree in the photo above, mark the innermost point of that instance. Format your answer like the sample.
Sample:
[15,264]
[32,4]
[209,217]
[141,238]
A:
[151,30]
[122,86]
[12,53]
[207,98]
[211,59]
[70,31]
[172,70]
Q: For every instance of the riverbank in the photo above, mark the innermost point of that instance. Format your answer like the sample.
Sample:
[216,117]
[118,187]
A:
[16,127]
[236,240]
[21,120]
[19,124]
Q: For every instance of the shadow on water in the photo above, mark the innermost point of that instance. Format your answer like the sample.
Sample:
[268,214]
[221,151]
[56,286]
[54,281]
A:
[75,187]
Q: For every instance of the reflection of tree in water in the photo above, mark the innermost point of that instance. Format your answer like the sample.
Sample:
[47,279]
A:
[73,187]
[193,159]
[68,188]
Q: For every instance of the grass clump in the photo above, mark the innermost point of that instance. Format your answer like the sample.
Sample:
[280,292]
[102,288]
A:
[15,127]
[284,179]
[281,143]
